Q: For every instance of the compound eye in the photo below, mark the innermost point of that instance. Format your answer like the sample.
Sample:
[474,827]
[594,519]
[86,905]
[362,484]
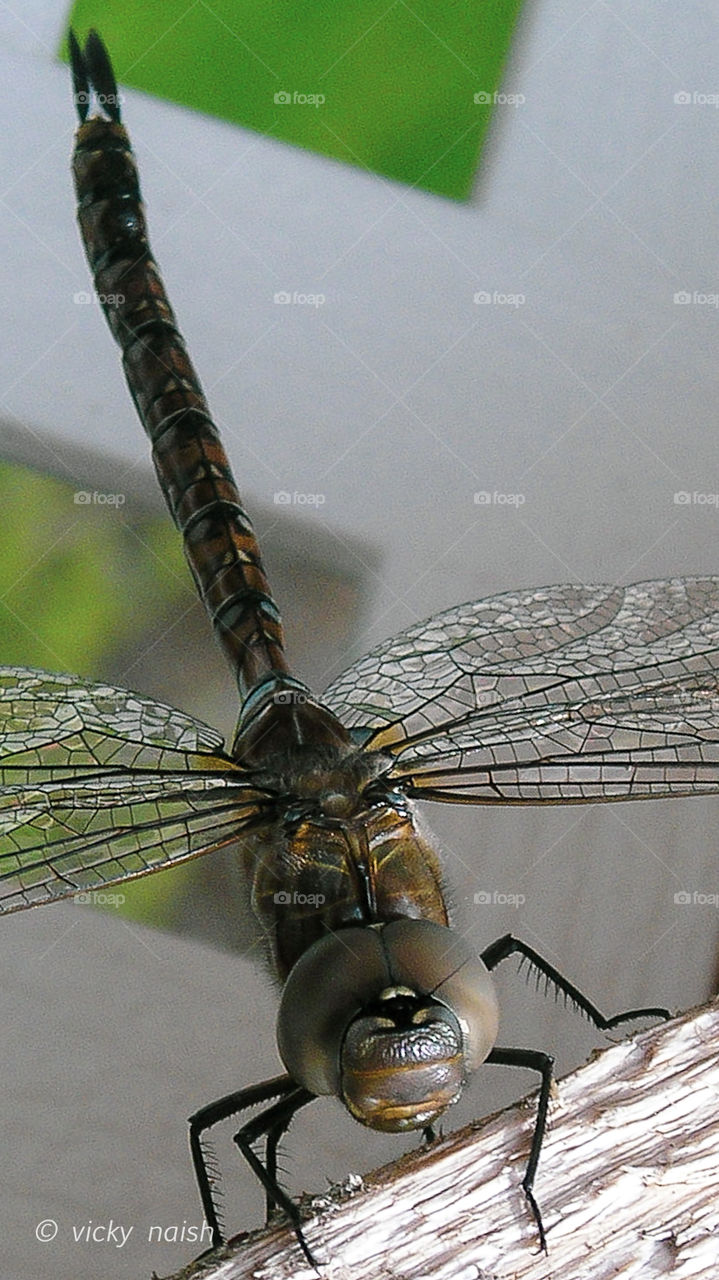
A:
[433,959]
[328,1031]
[335,979]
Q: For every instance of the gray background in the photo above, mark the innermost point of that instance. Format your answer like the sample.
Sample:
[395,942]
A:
[397,400]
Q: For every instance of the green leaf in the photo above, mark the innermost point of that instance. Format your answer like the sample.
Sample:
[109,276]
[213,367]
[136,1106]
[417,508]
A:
[391,87]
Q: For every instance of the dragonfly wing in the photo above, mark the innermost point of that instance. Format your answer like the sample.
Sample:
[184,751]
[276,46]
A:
[615,748]
[552,696]
[101,785]
[54,724]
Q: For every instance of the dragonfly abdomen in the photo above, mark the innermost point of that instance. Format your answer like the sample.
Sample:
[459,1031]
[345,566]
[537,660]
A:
[190,461]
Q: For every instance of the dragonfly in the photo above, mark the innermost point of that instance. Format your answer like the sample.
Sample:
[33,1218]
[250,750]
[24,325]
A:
[566,694]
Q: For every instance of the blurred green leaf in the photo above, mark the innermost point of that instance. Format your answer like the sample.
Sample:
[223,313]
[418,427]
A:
[78,580]
[77,583]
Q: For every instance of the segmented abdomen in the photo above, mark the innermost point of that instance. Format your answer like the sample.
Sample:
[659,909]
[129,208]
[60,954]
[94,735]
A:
[189,458]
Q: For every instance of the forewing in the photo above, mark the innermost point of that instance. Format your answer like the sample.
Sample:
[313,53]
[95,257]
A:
[102,785]
[54,725]
[560,695]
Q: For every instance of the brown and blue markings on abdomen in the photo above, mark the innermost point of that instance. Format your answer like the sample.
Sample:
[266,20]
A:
[190,461]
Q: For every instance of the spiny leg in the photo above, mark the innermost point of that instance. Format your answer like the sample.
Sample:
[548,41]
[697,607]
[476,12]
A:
[272,1123]
[272,1142]
[509,945]
[215,1112]
[542,1062]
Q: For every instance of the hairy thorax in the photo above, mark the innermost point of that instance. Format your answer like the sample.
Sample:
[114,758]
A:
[342,848]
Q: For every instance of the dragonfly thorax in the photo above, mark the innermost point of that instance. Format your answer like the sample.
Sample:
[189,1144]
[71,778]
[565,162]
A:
[340,848]
[333,780]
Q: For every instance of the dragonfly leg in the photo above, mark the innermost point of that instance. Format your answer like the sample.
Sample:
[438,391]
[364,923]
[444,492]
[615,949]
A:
[271,1144]
[207,1117]
[534,1060]
[509,945]
[272,1123]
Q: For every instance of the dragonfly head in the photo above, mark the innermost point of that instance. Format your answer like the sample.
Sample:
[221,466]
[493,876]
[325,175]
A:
[391,1018]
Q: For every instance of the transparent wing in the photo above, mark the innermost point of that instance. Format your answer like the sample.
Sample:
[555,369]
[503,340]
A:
[54,724]
[102,785]
[569,693]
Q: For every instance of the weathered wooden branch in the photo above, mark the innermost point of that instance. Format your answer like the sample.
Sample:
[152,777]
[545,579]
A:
[628,1184]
